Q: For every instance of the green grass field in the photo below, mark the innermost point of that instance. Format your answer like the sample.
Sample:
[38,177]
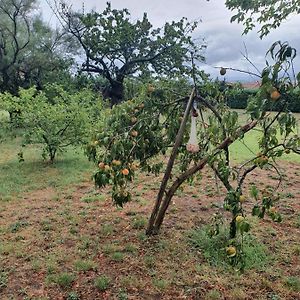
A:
[73,167]
[248,147]
[63,239]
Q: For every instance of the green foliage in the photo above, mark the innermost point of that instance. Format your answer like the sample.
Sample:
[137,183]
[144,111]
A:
[57,120]
[31,52]
[269,13]
[64,279]
[250,255]
[117,47]
[84,265]
[102,283]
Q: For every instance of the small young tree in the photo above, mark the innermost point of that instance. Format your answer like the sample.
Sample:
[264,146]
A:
[57,122]
[116,47]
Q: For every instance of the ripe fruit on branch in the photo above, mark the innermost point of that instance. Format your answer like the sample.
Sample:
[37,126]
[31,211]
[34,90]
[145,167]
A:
[125,172]
[151,88]
[107,168]
[275,95]
[134,133]
[133,120]
[222,71]
[116,162]
[101,165]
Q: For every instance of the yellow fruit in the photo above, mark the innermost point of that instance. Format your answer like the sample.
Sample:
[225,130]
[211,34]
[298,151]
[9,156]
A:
[96,142]
[239,219]
[275,95]
[134,133]
[101,165]
[231,251]
[222,71]
[141,106]
[151,88]
[125,172]
[242,198]
[116,162]
[107,168]
[133,120]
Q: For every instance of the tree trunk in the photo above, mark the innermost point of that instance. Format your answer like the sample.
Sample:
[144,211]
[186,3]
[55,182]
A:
[116,92]
[157,208]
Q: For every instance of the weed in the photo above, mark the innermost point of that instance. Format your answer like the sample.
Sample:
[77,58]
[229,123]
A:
[130,248]
[213,295]
[17,226]
[149,261]
[3,280]
[161,284]
[213,249]
[73,296]
[84,265]
[117,256]
[107,229]
[64,280]
[293,283]
[102,283]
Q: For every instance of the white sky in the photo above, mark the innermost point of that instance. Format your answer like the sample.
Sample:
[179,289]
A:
[224,40]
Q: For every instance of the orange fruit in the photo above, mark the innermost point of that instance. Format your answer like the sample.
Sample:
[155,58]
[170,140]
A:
[275,95]
[125,172]
[151,88]
[133,120]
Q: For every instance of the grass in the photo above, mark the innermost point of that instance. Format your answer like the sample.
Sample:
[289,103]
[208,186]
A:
[17,177]
[256,255]
[84,265]
[245,149]
[64,280]
[75,237]
[102,283]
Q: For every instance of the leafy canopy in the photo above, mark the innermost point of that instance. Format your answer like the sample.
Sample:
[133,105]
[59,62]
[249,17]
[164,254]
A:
[116,47]
[270,13]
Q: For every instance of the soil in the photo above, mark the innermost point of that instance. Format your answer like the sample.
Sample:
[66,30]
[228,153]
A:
[45,232]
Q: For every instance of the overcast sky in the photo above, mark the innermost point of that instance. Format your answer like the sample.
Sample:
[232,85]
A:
[224,39]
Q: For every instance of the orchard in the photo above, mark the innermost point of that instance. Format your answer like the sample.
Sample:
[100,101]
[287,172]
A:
[129,172]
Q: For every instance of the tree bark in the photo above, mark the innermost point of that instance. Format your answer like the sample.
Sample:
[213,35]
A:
[116,92]
[151,229]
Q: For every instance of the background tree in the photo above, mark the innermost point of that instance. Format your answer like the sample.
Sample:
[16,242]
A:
[14,38]
[31,53]
[116,47]
[269,13]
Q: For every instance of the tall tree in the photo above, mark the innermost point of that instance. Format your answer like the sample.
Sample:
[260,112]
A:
[116,47]
[31,53]
[14,38]
[270,13]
